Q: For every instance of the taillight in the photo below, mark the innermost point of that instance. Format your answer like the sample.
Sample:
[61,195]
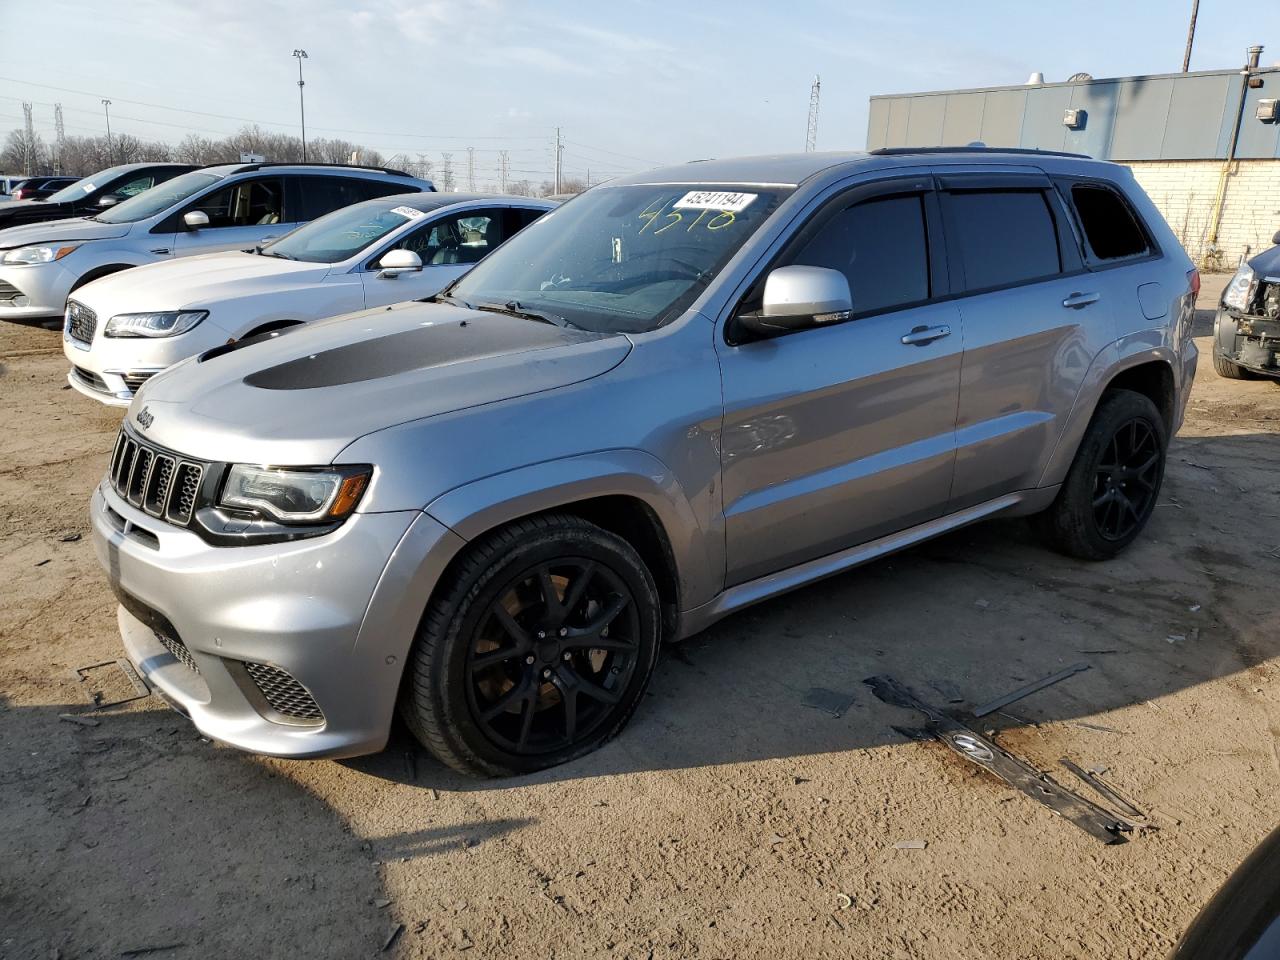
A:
[1193,277]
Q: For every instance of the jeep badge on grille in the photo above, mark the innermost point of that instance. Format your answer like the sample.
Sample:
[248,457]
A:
[145,418]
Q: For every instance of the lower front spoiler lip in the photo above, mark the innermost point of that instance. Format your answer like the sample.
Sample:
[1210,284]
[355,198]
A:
[122,399]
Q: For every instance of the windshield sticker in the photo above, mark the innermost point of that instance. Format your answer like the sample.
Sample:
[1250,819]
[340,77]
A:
[714,200]
[408,212]
[87,187]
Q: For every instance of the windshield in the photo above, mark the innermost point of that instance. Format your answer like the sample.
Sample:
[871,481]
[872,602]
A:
[343,233]
[157,199]
[621,259]
[82,188]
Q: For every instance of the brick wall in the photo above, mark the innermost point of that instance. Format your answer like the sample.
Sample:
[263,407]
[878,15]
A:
[1185,192]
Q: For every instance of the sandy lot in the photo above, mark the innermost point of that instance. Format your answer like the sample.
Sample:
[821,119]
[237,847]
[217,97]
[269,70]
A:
[729,818]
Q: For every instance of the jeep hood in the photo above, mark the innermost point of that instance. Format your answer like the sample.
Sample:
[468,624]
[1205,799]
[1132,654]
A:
[303,396]
[59,231]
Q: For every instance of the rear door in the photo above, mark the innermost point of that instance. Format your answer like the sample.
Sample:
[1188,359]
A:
[837,435]
[241,215]
[1034,319]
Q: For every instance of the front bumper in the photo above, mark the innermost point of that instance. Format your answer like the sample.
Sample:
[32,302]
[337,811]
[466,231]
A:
[336,613]
[34,291]
[1248,341]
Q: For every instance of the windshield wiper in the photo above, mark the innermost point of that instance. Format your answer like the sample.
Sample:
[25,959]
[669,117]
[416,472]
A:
[262,252]
[445,297]
[512,308]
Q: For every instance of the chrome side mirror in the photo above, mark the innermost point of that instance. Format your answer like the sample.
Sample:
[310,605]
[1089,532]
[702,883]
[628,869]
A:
[799,297]
[195,219]
[108,200]
[396,262]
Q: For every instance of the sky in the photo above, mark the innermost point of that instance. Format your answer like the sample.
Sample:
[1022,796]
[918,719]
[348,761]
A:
[631,83]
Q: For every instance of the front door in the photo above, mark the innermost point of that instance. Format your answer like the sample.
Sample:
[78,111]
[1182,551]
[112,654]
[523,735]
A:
[448,246]
[241,216]
[838,435]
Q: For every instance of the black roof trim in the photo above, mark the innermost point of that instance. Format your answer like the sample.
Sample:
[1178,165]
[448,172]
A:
[899,151]
[248,167]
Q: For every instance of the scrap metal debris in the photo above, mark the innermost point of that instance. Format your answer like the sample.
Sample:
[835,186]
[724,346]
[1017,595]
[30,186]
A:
[139,685]
[143,951]
[82,721]
[1094,779]
[829,701]
[392,937]
[911,844]
[1029,689]
[993,758]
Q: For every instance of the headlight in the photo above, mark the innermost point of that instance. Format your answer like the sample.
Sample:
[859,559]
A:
[295,494]
[38,254]
[1240,290]
[153,324]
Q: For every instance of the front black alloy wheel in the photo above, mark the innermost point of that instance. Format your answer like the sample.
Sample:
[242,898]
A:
[536,649]
[1110,491]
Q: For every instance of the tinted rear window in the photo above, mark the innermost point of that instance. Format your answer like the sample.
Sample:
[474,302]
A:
[880,246]
[1004,237]
[1109,225]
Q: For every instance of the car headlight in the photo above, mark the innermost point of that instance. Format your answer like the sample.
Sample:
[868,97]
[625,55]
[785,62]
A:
[1240,290]
[21,255]
[295,494]
[153,324]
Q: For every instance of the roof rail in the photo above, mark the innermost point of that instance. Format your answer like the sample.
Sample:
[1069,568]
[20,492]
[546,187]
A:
[246,167]
[898,151]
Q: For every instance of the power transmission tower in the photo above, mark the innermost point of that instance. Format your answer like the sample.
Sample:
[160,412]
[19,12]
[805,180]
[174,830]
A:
[446,172]
[471,169]
[504,158]
[30,145]
[811,136]
[61,135]
[559,160]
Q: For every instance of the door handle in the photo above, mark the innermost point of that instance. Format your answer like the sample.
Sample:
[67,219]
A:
[1078,300]
[919,336]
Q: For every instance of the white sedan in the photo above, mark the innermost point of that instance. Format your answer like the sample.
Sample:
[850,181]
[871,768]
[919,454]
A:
[128,326]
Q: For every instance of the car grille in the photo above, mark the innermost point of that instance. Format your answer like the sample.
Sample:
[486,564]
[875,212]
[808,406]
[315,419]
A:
[91,380]
[135,380]
[178,650]
[286,695]
[81,322]
[158,482]
[8,291]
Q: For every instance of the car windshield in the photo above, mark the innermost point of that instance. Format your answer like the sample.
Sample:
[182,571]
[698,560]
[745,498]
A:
[343,233]
[82,188]
[621,259]
[157,199]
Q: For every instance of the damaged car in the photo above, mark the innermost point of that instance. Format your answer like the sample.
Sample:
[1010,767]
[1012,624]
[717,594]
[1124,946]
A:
[1246,330]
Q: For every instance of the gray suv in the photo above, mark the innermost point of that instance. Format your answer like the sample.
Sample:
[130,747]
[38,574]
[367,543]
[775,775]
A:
[676,395]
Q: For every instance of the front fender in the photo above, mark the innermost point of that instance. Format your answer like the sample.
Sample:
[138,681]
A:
[482,505]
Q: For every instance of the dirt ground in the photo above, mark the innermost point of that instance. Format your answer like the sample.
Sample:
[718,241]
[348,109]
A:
[729,818]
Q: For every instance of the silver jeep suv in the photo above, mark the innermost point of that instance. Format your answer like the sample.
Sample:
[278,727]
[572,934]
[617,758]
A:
[678,394]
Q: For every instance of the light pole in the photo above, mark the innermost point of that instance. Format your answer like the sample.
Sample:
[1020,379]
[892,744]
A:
[111,150]
[302,107]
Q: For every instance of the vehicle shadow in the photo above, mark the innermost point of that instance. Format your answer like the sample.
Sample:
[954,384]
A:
[972,615]
[136,833]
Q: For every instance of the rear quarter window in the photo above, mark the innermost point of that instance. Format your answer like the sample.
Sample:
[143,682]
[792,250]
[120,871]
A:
[1111,228]
[1005,237]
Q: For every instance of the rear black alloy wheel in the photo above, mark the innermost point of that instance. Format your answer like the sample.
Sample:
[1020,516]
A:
[553,656]
[1111,488]
[535,649]
[1126,479]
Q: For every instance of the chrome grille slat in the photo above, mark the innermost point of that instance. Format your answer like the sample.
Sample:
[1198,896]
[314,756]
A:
[286,695]
[81,322]
[161,484]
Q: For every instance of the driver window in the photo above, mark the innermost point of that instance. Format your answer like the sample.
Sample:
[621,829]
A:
[880,245]
[244,204]
[135,186]
[462,238]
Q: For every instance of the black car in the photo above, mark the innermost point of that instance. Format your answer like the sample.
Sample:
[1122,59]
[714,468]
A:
[92,195]
[1246,331]
[37,188]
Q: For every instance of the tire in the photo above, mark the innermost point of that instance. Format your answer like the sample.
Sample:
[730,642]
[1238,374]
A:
[489,696]
[1084,520]
[1231,370]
